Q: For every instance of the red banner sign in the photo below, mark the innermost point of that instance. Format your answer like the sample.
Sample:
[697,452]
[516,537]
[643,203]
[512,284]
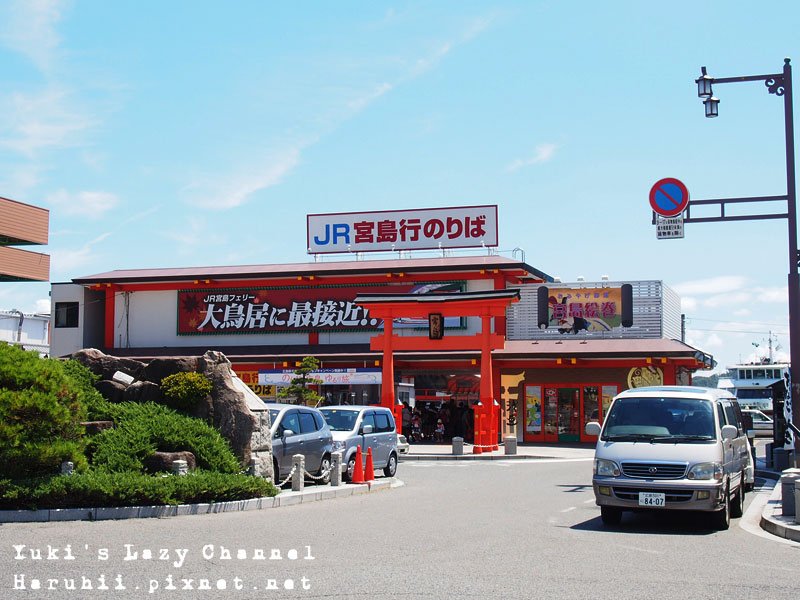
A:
[265,310]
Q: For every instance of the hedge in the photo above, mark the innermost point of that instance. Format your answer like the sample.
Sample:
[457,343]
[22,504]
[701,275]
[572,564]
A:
[96,488]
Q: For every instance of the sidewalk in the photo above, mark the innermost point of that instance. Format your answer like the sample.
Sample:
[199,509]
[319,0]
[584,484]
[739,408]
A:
[772,519]
[424,451]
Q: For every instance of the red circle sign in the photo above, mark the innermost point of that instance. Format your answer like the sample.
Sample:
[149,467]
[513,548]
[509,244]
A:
[669,197]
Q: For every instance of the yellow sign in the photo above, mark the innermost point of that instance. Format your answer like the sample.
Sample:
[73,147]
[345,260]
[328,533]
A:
[644,376]
[250,378]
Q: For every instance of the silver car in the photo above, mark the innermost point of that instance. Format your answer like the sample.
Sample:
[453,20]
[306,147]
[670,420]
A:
[672,447]
[762,424]
[300,430]
[366,426]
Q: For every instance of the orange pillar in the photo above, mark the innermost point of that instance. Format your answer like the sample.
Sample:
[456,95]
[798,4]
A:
[488,427]
[387,375]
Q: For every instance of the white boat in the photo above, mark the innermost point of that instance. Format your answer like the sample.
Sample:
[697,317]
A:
[754,384]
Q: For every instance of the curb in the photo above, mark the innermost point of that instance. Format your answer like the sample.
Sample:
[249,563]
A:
[409,457]
[287,498]
[772,518]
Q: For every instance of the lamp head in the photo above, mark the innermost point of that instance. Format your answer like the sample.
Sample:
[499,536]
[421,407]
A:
[712,107]
[704,84]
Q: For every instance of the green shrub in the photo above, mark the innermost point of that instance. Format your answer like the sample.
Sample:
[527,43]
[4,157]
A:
[96,488]
[141,429]
[184,390]
[40,415]
[96,405]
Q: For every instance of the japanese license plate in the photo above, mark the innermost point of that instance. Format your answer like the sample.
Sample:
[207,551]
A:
[651,499]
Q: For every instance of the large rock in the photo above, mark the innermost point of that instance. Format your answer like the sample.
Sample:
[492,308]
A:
[158,368]
[229,411]
[105,366]
[113,391]
[143,391]
[162,461]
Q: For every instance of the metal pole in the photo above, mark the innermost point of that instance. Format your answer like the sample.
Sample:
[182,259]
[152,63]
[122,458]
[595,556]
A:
[794,276]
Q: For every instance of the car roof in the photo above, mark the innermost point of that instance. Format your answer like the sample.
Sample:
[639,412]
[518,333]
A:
[679,391]
[280,406]
[354,408]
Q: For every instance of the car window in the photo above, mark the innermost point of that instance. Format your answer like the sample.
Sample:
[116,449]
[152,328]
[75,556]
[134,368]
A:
[340,420]
[369,419]
[290,421]
[318,420]
[382,422]
[731,417]
[721,415]
[307,423]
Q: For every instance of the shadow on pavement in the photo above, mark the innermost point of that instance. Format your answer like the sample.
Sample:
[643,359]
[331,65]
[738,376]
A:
[676,522]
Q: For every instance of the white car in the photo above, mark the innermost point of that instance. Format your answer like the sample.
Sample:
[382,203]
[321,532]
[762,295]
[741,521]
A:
[762,424]
[402,444]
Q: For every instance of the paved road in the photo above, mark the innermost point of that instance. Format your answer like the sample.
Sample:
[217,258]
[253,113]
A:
[499,529]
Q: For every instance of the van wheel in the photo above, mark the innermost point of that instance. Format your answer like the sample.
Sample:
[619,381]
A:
[610,515]
[351,466]
[737,507]
[722,518]
[325,465]
[391,466]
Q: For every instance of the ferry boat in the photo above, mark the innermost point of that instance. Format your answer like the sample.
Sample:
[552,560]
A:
[755,384]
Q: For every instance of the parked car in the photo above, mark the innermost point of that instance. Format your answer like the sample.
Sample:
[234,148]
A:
[365,426]
[672,447]
[762,424]
[403,446]
[300,430]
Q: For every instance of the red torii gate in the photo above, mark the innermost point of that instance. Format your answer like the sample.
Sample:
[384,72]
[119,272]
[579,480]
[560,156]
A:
[485,305]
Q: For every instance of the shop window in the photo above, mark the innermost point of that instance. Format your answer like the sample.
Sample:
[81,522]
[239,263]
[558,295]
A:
[66,314]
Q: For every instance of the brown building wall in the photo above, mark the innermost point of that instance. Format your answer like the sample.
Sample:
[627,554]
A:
[22,265]
[22,224]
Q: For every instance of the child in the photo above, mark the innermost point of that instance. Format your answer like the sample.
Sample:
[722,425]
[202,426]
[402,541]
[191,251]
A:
[438,434]
[416,427]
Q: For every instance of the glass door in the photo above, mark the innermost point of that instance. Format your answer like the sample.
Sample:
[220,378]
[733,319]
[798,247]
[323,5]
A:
[533,414]
[591,411]
[550,415]
[568,414]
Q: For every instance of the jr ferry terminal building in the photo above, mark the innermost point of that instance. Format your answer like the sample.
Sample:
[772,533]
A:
[492,334]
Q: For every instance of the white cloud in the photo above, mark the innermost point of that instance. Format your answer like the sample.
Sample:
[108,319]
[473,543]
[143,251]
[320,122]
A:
[30,29]
[90,204]
[543,153]
[43,306]
[688,304]
[37,121]
[230,192]
[742,312]
[193,233]
[64,261]
[713,285]
[359,104]
[732,298]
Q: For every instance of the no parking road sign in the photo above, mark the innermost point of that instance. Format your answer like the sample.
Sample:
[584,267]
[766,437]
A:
[669,197]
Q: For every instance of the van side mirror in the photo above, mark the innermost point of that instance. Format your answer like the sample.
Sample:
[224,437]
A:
[366,429]
[729,432]
[593,428]
[287,433]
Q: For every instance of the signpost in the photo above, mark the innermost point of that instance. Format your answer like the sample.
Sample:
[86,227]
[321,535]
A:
[669,198]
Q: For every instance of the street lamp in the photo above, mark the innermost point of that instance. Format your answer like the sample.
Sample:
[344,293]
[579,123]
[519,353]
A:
[779,84]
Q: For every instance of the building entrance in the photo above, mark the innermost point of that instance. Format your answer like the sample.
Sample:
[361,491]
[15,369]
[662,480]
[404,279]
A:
[559,413]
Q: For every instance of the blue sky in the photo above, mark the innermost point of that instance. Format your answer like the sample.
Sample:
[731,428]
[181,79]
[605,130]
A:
[202,133]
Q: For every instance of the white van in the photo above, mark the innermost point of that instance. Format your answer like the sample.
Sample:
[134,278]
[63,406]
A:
[672,447]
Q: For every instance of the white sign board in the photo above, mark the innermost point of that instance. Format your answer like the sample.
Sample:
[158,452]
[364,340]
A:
[669,228]
[416,229]
[327,376]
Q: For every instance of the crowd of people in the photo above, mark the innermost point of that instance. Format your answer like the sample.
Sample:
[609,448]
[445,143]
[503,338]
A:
[437,421]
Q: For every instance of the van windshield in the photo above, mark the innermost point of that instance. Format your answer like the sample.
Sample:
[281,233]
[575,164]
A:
[340,420]
[668,420]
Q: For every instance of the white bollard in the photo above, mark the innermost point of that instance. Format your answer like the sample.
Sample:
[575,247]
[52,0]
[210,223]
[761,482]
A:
[510,444]
[180,467]
[299,474]
[336,468]
[797,501]
[458,446]
[788,480]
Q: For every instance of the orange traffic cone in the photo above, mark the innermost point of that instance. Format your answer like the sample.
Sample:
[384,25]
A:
[369,470]
[358,469]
